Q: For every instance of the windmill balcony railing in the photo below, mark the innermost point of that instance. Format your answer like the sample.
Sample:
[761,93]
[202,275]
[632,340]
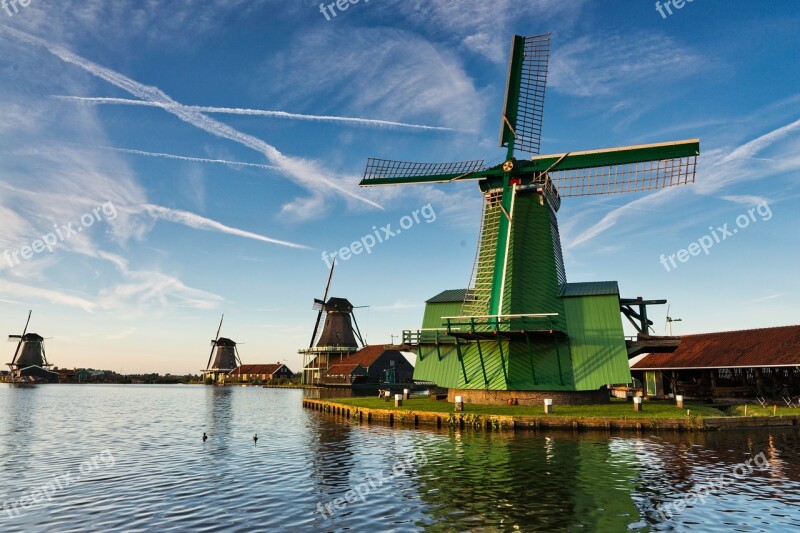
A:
[500,323]
[482,326]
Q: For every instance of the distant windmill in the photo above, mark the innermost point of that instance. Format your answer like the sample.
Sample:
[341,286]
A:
[339,338]
[29,364]
[227,356]
[670,320]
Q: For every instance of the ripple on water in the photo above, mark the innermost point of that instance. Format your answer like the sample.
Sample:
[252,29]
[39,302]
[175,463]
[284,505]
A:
[153,472]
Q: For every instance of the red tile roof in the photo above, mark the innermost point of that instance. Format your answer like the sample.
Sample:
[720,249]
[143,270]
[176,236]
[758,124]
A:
[365,356]
[255,369]
[343,370]
[766,347]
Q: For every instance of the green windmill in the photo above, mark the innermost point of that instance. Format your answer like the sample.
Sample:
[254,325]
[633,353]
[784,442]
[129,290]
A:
[520,326]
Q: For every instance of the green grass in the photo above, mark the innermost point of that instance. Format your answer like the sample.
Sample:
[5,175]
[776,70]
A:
[614,409]
[757,410]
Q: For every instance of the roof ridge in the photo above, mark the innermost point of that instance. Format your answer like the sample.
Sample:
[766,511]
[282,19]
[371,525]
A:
[737,331]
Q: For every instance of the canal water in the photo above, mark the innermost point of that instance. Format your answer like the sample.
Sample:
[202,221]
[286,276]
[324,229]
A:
[132,458]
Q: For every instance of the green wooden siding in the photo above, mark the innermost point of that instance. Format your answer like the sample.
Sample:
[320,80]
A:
[597,341]
[435,311]
[532,275]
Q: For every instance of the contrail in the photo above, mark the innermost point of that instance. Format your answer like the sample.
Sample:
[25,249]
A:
[305,173]
[187,158]
[258,112]
[196,221]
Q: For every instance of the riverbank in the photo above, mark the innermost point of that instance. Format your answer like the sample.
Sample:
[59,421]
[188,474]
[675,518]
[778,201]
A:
[616,415]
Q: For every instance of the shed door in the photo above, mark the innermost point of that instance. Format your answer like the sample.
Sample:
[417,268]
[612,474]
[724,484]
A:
[650,378]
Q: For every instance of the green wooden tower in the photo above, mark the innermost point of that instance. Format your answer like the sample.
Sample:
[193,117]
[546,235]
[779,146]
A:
[520,326]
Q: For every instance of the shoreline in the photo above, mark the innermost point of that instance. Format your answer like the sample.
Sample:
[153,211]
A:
[408,416]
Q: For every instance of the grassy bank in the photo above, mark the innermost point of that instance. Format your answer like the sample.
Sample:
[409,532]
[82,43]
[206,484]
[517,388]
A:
[613,409]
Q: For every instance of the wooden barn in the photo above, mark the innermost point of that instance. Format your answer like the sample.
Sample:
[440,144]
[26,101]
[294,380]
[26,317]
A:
[345,374]
[381,364]
[763,363]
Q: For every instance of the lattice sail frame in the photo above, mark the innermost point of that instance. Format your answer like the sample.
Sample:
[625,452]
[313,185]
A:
[378,169]
[630,177]
[525,91]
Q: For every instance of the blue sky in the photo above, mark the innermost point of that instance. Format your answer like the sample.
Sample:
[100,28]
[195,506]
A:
[169,242]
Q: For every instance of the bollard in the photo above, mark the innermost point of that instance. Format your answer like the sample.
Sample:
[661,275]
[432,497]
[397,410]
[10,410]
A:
[387,395]
[637,403]
[459,403]
[406,394]
[398,400]
[679,400]
[548,406]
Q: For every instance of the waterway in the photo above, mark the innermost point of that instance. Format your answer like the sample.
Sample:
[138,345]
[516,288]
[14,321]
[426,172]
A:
[132,458]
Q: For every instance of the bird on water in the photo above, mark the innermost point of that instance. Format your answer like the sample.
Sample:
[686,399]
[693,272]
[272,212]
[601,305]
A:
[205,437]
[255,439]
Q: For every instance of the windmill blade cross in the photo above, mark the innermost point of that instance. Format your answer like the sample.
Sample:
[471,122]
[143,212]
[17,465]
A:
[322,304]
[24,331]
[214,342]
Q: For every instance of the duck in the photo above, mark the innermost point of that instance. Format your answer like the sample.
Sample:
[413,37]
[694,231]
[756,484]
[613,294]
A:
[255,439]
[205,437]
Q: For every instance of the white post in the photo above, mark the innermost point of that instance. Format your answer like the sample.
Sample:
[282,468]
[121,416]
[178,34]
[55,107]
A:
[548,406]
[637,403]
[679,400]
[406,394]
[398,400]
[459,403]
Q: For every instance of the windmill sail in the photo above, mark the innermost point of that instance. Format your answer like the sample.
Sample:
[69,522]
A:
[620,170]
[521,125]
[387,172]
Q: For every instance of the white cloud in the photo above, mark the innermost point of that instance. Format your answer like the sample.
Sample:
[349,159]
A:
[605,65]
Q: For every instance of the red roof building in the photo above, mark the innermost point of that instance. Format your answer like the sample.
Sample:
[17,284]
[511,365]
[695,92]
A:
[755,362]
[260,372]
[381,364]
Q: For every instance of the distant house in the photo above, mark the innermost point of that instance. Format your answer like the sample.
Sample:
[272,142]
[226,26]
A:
[756,362]
[65,375]
[260,372]
[380,364]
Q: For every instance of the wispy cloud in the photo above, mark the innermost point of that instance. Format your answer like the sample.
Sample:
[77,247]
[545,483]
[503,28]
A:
[188,158]
[196,221]
[257,112]
[301,170]
[584,67]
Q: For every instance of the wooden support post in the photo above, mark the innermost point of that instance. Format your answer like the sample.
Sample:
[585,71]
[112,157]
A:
[530,354]
[637,403]
[459,405]
[548,406]
[679,401]
[398,400]
[461,360]
[500,347]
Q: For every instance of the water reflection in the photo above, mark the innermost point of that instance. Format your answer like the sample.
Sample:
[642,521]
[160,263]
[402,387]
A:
[165,477]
